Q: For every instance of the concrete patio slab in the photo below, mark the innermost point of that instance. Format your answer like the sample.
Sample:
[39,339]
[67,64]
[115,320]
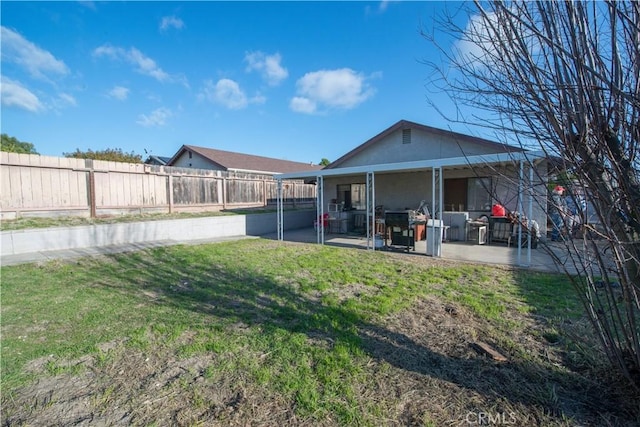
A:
[497,254]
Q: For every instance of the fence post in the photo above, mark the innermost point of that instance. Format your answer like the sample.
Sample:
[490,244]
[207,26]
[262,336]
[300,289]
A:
[224,193]
[92,194]
[264,192]
[92,188]
[293,193]
[170,192]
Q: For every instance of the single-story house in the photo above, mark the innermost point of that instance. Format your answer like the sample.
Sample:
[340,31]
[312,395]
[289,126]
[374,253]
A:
[191,156]
[157,160]
[456,178]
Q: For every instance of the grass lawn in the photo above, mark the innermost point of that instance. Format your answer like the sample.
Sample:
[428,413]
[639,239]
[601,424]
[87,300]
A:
[263,332]
[70,221]
[24,223]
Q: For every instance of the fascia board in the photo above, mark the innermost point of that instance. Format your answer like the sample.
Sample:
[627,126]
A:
[482,159]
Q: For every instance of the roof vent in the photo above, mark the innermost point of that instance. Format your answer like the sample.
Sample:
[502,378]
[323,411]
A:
[406,136]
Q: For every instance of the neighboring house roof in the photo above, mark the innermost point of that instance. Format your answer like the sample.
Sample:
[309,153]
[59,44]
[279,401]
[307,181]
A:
[157,160]
[232,161]
[405,124]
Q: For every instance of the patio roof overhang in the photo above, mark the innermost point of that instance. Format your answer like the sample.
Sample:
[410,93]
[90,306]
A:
[517,159]
[447,163]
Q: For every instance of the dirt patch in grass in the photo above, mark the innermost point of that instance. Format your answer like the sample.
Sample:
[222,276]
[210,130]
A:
[440,376]
[141,388]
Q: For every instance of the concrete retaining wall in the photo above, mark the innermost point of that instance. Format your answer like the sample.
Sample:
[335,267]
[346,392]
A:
[60,238]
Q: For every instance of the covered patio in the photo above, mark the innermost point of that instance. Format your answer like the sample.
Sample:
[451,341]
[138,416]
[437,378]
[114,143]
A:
[423,180]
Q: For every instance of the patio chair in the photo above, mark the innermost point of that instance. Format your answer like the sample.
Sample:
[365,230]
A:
[359,223]
[501,232]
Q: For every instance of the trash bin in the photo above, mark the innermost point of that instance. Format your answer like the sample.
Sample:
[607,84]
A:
[435,229]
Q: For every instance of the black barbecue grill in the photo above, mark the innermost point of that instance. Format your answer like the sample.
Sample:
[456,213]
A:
[399,226]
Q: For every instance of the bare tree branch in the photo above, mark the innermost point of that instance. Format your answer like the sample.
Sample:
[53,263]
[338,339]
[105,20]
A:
[565,77]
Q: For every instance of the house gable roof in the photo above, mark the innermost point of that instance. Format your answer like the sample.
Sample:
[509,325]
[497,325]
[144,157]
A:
[159,160]
[405,124]
[229,160]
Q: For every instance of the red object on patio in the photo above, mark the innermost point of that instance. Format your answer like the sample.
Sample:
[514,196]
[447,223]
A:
[498,210]
[325,221]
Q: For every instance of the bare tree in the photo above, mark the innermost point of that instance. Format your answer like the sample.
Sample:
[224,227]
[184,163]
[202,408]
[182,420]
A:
[564,77]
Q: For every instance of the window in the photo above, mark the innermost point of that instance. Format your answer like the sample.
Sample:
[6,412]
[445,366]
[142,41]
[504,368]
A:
[455,194]
[359,196]
[479,194]
[344,195]
[406,136]
[467,194]
[353,196]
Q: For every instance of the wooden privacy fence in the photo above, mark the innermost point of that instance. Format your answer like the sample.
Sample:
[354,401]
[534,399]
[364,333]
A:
[34,185]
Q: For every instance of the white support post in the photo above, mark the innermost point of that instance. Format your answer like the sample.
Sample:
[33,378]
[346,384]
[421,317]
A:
[519,206]
[440,194]
[371,213]
[279,210]
[530,211]
[436,209]
[320,210]
[441,209]
[433,206]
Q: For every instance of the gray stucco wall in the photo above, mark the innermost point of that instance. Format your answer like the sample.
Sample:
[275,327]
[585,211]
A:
[196,161]
[395,191]
[423,146]
[400,191]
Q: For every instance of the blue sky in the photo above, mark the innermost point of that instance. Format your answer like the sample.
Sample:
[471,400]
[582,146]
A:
[299,81]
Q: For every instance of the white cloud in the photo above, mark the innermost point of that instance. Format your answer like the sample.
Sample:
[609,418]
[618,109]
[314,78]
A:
[146,65]
[171,21]
[477,46]
[38,62]
[327,89]
[382,7]
[142,63]
[471,46]
[302,105]
[88,4]
[110,51]
[157,117]
[13,94]
[268,66]
[61,101]
[119,92]
[64,99]
[258,99]
[227,93]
